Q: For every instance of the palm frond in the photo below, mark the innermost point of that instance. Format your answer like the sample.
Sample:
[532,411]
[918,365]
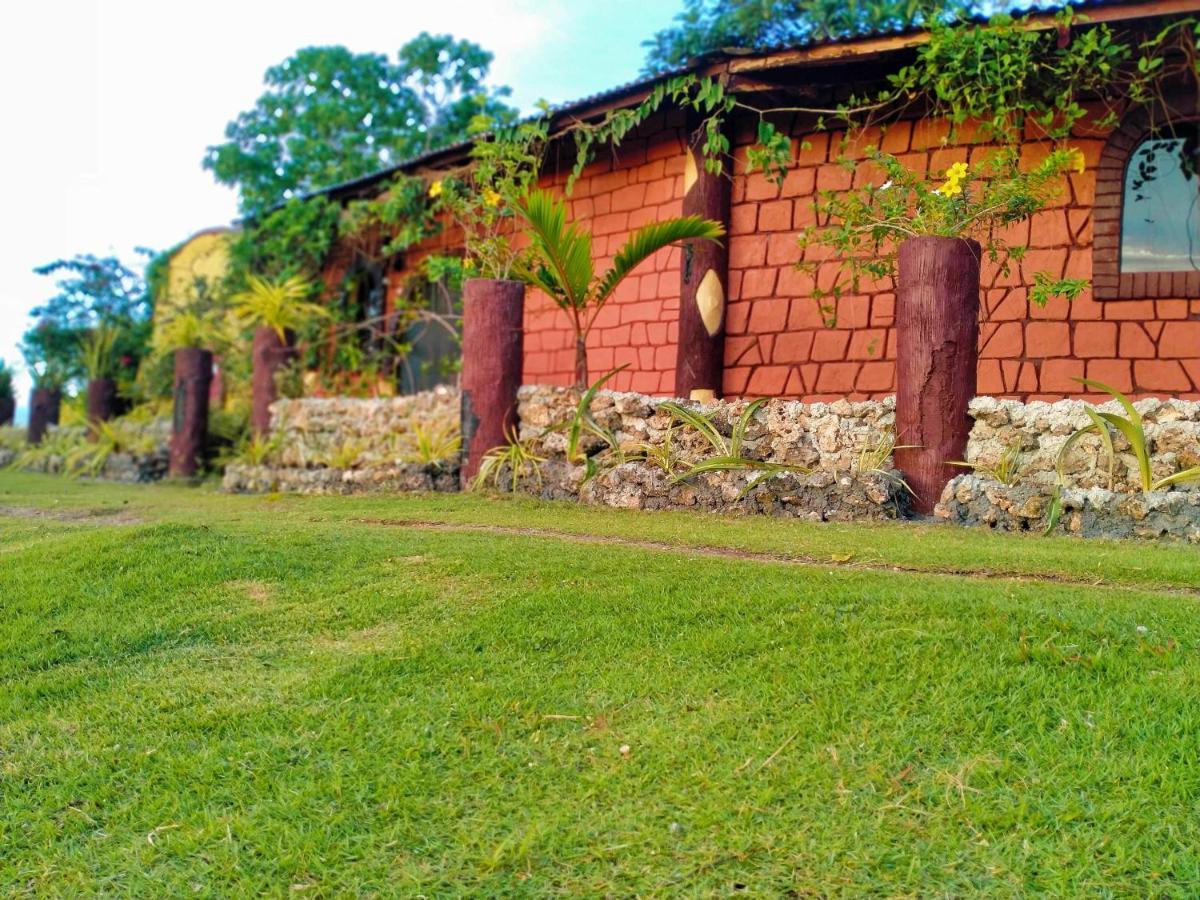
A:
[279,305]
[647,241]
[98,351]
[563,252]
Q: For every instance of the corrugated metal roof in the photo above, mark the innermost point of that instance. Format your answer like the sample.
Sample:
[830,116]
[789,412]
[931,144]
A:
[713,56]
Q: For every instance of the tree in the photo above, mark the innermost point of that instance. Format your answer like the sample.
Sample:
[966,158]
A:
[92,292]
[706,25]
[329,115]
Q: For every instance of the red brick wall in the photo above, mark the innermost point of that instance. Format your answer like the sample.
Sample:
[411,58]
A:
[777,342]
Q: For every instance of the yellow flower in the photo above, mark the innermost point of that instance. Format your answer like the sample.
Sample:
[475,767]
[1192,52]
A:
[490,198]
[435,189]
[954,176]
[469,264]
[1078,163]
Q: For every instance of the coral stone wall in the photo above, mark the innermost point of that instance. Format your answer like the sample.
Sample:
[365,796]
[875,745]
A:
[308,431]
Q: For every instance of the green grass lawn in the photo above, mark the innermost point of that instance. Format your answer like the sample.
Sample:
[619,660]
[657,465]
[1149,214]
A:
[214,695]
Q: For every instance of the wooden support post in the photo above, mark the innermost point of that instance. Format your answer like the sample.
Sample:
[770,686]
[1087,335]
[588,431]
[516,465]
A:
[937,336]
[101,403]
[703,280]
[269,354]
[43,412]
[189,431]
[492,344]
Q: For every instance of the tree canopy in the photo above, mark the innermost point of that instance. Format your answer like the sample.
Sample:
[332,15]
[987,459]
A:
[329,115]
[90,291]
[705,25]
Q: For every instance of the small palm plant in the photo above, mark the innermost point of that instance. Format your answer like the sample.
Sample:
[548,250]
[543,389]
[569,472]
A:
[280,305]
[188,328]
[97,351]
[561,262]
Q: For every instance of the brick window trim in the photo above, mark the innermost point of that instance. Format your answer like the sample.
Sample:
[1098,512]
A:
[1108,281]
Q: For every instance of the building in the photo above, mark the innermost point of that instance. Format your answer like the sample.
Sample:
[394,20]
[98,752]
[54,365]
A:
[1137,329]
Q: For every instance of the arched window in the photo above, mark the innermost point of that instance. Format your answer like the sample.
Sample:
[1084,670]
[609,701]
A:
[1147,213]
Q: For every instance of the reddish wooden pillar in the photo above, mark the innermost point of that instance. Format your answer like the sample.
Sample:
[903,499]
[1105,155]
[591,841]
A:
[101,403]
[270,354]
[43,412]
[492,342]
[189,429]
[703,281]
[937,335]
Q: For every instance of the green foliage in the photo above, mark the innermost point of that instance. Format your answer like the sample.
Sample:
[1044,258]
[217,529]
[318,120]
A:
[257,449]
[186,328]
[90,293]
[431,443]
[1130,427]
[346,455]
[1006,469]
[401,215]
[279,305]
[515,459]
[6,381]
[583,422]
[88,458]
[505,162]
[1007,77]
[50,454]
[726,453]
[865,227]
[97,351]
[291,239]
[707,25]
[561,260]
[329,115]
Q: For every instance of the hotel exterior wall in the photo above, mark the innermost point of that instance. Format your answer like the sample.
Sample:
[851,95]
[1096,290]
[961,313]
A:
[778,343]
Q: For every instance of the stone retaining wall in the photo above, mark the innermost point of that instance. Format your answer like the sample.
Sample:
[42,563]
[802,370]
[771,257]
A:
[1172,428]
[827,439]
[244,479]
[1094,512]
[312,430]
[826,436]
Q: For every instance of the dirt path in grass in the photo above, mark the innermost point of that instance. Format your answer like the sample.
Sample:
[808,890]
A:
[847,563]
[75,514]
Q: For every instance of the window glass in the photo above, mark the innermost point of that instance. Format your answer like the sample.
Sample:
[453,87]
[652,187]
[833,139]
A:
[1160,219]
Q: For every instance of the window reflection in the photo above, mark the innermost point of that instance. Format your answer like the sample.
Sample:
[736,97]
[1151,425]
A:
[1160,220]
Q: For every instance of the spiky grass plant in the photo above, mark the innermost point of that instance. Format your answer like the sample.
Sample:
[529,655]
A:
[515,457]
[98,351]
[1007,469]
[431,443]
[1131,427]
[727,454]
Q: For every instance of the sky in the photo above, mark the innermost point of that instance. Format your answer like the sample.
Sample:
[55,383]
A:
[109,105]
